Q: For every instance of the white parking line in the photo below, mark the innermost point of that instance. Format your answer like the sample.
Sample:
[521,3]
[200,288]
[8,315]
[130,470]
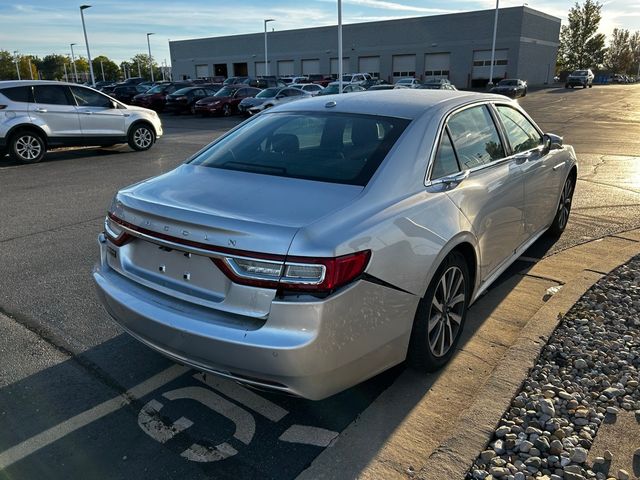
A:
[53,434]
[306,435]
[244,396]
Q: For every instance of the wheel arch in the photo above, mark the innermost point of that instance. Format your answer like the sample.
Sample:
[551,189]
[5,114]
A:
[27,127]
[141,121]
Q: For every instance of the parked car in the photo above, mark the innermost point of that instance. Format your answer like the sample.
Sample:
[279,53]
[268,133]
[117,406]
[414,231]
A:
[103,83]
[356,78]
[386,86]
[248,102]
[133,81]
[285,95]
[314,247]
[41,115]
[234,80]
[311,88]
[263,82]
[333,88]
[156,96]
[184,100]
[438,84]
[580,78]
[320,79]
[367,84]
[225,101]
[511,87]
[126,93]
[408,82]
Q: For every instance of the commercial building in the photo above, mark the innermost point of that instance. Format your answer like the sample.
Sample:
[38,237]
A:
[455,46]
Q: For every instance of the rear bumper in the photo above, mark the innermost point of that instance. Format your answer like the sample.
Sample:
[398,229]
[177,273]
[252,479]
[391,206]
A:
[577,82]
[312,349]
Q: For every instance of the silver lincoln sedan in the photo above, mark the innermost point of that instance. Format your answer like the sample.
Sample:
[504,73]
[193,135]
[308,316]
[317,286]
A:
[326,240]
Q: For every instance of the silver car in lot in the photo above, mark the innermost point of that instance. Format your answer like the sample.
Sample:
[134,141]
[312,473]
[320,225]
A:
[324,241]
[37,115]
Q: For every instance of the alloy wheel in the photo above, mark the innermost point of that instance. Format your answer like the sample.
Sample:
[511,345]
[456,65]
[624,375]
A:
[564,207]
[447,309]
[28,147]
[142,137]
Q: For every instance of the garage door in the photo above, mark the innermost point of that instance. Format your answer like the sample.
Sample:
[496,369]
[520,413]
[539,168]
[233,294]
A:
[202,71]
[482,65]
[310,66]
[285,67]
[260,70]
[334,66]
[404,66]
[370,65]
[436,65]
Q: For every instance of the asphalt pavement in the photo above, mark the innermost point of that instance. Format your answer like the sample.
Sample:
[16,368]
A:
[81,399]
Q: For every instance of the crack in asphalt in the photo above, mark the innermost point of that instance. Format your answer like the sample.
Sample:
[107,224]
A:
[609,185]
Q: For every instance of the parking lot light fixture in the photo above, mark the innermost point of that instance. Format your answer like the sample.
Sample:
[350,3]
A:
[150,59]
[493,44]
[266,57]
[340,66]
[86,41]
[73,60]
[15,55]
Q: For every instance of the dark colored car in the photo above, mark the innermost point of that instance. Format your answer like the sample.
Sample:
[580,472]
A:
[125,93]
[226,100]
[155,97]
[511,87]
[333,88]
[263,82]
[133,81]
[234,80]
[184,100]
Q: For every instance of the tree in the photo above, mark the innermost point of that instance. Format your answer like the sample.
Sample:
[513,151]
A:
[51,67]
[7,66]
[111,69]
[634,43]
[581,46]
[141,60]
[619,55]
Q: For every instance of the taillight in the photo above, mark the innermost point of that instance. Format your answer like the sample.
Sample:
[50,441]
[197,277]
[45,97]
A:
[304,274]
[114,231]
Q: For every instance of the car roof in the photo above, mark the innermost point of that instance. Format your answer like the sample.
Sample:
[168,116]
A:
[403,103]
[22,83]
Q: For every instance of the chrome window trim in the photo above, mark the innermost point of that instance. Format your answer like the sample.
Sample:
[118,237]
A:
[490,104]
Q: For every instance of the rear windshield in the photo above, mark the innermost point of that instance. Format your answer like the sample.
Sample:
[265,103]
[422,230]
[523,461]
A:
[328,147]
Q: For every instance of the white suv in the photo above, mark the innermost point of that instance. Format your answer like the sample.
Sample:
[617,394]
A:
[580,78]
[356,78]
[38,115]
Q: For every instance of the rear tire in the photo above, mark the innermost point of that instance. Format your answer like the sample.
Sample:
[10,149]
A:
[27,146]
[441,315]
[141,137]
[226,110]
[564,207]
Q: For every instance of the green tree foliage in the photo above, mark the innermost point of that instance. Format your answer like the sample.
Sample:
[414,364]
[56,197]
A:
[142,60]
[634,43]
[581,46]
[51,67]
[619,56]
[111,69]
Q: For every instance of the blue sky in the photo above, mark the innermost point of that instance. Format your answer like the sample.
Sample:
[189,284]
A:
[117,28]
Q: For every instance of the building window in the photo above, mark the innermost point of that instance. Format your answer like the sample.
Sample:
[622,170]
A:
[478,63]
[404,74]
[501,62]
[429,73]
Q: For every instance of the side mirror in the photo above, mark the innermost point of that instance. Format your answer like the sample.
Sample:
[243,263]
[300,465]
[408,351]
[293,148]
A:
[552,142]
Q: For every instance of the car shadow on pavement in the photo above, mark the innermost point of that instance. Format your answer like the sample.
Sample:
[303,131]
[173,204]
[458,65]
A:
[69,154]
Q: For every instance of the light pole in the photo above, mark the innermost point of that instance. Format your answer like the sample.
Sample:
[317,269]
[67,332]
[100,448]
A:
[102,70]
[30,69]
[139,71]
[266,57]
[86,40]
[15,56]
[150,60]
[493,45]
[340,66]
[66,77]
[73,59]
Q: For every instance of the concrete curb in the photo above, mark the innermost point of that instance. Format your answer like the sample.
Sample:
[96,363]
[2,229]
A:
[453,458]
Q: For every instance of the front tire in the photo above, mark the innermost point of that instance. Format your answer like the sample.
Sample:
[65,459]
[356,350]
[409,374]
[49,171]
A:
[27,147]
[226,110]
[141,137]
[564,207]
[440,316]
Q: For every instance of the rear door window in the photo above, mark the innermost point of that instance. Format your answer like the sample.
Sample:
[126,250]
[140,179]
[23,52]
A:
[446,162]
[18,94]
[52,95]
[475,137]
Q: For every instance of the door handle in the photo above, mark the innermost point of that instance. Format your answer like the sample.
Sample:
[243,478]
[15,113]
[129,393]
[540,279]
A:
[87,113]
[561,164]
[41,110]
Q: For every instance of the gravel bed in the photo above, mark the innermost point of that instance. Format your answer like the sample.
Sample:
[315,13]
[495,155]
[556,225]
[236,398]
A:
[589,369]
